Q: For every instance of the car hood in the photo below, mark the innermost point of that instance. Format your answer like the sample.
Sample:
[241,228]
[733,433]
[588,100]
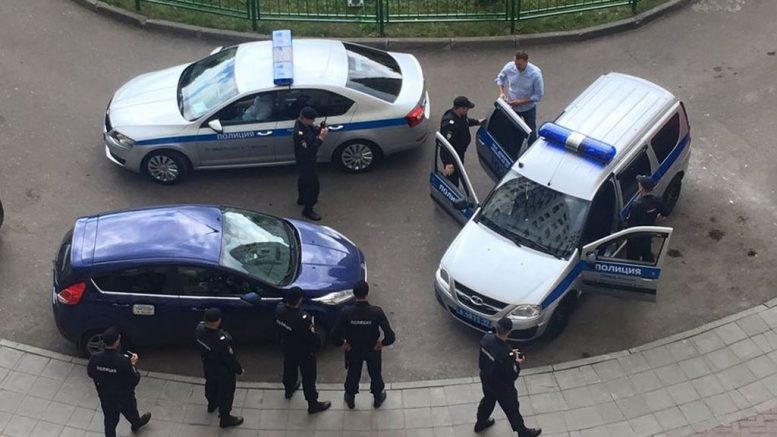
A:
[148,100]
[330,262]
[494,266]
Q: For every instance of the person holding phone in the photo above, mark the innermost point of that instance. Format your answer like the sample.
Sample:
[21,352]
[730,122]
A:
[307,140]
[499,368]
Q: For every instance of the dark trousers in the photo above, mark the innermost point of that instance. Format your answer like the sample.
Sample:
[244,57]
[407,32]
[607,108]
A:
[354,362]
[308,187]
[530,117]
[508,401]
[639,249]
[113,407]
[292,366]
[220,389]
[454,177]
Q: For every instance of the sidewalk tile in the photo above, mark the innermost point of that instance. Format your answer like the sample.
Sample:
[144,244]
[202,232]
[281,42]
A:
[151,388]
[81,418]
[721,404]
[437,397]
[762,366]
[659,357]
[443,431]
[578,397]
[620,429]
[550,423]
[9,401]
[252,399]
[4,419]
[695,412]
[58,412]
[620,388]
[707,385]
[632,407]
[547,402]
[730,333]
[416,397]
[645,381]
[274,419]
[167,410]
[582,418]
[722,359]
[683,392]
[746,349]
[57,369]
[360,420]
[463,413]
[32,364]
[176,391]
[755,393]
[19,382]
[753,324]
[694,367]
[767,341]
[72,432]
[609,412]
[33,407]
[735,377]
[682,350]
[769,317]
[46,429]
[540,383]
[9,357]
[671,418]
[589,375]
[388,419]
[608,370]
[634,363]
[441,416]
[671,374]
[707,342]
[462,394]
[45,387]
[645,425]
[658,400]
[197,415]
[418,417]
[569,378]
[20,426]
[193,431]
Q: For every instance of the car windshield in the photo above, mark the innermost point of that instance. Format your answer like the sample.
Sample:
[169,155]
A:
[260,245]
[373,72]
[536,216]
[207,84]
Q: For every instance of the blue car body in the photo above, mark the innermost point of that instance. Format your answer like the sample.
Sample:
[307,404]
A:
[153,271]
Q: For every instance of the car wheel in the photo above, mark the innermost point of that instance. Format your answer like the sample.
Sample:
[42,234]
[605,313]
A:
[560,317]
[357,156]
[166,167]
[672,193]
[92,342]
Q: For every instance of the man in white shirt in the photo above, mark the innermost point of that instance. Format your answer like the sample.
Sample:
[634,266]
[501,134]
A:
[520,84]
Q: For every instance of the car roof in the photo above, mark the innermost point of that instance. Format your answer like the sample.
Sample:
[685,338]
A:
[616,109]
[319,62]
[172,232]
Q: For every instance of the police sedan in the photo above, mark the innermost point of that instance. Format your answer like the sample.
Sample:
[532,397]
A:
[153,271]
[228,111]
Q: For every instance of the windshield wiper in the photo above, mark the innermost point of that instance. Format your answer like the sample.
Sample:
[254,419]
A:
[490,224]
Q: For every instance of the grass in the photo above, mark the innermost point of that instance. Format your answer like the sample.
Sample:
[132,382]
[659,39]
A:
[368,28]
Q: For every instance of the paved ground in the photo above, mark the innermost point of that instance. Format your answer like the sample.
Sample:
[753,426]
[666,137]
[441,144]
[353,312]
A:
[692,382]
[61,63]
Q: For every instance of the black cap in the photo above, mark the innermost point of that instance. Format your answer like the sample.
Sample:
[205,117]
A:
[462,102]
[293,295]
[505,324]
[361,289]
[110,336]
[212,315]
[647,182]
[308,112]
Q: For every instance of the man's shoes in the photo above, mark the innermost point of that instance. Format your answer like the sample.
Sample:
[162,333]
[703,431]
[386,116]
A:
[350,400]
[212,408]
[230,421]
[290,393]
[379,399]
[317,407]
[482,426]
[309,213]
[531,432]
[141,423]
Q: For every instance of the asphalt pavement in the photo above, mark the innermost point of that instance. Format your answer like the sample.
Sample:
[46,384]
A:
[60,64]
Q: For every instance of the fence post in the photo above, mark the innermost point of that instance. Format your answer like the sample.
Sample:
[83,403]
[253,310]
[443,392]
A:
[379,17]
[137,5]
[254,13]
[634,6]
[515,14]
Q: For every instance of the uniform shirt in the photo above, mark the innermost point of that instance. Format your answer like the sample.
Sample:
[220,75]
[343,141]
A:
[522,84]
[455,129]
[295,331]
[360,324]
[217,349]
[113,374]
[306,144]
[644,210]
[497,361]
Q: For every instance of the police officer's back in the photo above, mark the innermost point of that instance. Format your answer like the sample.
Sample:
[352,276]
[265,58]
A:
[358,330]
[644,211]
[455,127]
[220,366]
[307,140]
[115,378]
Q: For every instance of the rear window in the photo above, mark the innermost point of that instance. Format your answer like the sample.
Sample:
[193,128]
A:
[373,72]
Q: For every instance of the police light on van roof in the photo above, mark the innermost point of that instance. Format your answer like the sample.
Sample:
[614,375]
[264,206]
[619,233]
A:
[282,58]
[578,142]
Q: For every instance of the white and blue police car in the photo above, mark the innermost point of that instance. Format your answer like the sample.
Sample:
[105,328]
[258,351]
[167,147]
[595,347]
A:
[553,226]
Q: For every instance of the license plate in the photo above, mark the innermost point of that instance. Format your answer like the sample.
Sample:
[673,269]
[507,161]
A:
[474,318]
[143,310]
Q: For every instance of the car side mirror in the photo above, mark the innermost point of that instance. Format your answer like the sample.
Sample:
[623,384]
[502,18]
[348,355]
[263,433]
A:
[252,298]
[216,126]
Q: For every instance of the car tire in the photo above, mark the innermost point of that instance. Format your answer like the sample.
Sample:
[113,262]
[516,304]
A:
[672,193]
[166,167]
[560,317]
[2,213]
[91,343]
[357,156]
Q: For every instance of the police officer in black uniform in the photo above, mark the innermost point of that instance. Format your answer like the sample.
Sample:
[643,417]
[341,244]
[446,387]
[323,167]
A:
[499,368]
[300,342]
[357,330]
[643,212]
[307,139]
[115,377]
[454,126]
[220,366]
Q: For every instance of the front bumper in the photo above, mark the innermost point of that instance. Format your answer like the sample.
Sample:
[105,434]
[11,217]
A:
[129,158]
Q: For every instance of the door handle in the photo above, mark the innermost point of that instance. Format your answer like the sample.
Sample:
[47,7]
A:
[265,133]
[120,305]
[337,127]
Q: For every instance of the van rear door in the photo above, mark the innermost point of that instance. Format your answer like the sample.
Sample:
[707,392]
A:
[500,141]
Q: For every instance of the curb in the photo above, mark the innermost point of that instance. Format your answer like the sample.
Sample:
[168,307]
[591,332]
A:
[506,41]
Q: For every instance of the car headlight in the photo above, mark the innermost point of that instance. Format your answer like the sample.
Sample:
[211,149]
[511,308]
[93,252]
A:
[445,279]
[122,139]
[335,298]
[526,311]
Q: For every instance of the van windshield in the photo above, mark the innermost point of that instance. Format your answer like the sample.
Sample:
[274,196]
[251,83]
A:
[536,216]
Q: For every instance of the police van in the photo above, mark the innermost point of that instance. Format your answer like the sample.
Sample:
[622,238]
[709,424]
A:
[553,226]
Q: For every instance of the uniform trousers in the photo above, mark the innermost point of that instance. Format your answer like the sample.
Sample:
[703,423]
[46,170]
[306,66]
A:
[308,186]
[354,361]
[508,401]
[220,389]
[306,365]
[113,406]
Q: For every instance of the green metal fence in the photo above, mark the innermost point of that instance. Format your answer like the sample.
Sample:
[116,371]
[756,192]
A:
[382,12]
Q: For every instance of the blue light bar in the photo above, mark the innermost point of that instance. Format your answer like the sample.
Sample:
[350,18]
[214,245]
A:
[578,142]
[282,58]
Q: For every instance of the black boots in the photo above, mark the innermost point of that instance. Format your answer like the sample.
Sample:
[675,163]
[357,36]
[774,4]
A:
[143,421]
[379,399]
[230,421]
[482,426]
[290,393]
[531,432]
[318,406]
[350,400]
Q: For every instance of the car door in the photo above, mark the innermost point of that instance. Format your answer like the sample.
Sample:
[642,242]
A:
[458,200]
[626,179]
[243,132]
[608,270]
[334,109]
[500,142]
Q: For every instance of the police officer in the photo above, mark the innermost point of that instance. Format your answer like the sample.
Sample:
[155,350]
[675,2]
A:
[499,368]
[300,342]
[115,377]
[220,366]
[307,139]
[357,330]
[644,211]
[454,126]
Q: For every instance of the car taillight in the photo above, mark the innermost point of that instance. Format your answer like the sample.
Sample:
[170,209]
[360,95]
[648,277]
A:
[72,295]
[416,116]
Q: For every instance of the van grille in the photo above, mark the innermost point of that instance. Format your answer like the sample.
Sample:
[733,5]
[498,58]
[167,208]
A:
[476,301]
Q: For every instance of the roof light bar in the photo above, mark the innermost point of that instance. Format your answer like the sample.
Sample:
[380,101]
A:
[282,58]
[577,142]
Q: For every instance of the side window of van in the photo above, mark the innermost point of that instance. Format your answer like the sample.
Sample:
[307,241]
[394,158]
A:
[506,134]
[628,177]
[666,138]
[140,280]
[600,217]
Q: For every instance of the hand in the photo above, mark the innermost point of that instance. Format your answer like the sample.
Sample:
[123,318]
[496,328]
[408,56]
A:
[481,121]
[448,170]
[347,347]
[378,345]
[502,96]
[134,359]
[322,134]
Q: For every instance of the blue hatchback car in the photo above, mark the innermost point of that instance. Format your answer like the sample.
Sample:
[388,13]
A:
[153,271]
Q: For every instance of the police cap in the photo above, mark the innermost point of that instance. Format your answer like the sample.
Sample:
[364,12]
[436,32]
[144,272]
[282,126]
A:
[308,113]
[110,336]
[212,315]
[505,324]
[462,102]
[646,182]
[293,295]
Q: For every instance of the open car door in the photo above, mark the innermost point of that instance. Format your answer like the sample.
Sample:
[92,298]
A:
[500,142]
[626,263]
[454,192]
